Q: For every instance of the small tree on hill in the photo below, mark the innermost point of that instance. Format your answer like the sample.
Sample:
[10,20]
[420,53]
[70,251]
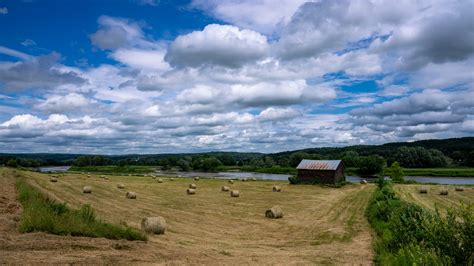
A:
[395,171]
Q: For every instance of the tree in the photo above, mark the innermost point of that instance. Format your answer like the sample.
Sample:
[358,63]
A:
[12,163]
[350,158]
[371,165]
[395,171]
[295,158]
[210,164]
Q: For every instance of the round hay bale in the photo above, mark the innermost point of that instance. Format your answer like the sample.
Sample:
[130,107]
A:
[159,180]
[153,177]
[120,186]
[190,191]
[254,179]
[443,192]
[155,225]
[234,193]
[102,176]
[171,179]
[276,189]
[274,212]
[53,179]
[88,175]
[193,186]
[131,195]
[87,189]
[244,179]
[459,189]
[423,190]
[363,182]
[106,177]
[225,188]
[196,178]
[231,181]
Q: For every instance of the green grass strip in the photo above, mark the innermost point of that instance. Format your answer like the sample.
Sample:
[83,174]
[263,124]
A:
[43,214]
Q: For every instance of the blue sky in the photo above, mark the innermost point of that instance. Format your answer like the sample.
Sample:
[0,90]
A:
[148,76]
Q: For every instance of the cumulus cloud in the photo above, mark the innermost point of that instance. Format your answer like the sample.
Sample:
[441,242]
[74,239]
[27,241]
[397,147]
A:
[41,72]
[262,15]
[64,103]
[217,45]
[115,33]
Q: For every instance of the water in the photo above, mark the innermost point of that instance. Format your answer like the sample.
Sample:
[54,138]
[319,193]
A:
[353,179]
[54,169]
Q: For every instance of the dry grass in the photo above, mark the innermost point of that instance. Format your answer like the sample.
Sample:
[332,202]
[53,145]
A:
[433,199]
[321,225]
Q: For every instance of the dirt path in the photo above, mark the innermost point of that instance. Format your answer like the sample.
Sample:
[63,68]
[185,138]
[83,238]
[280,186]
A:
[45,248]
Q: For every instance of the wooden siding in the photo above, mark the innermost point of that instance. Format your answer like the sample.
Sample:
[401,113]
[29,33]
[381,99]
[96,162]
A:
[322,176]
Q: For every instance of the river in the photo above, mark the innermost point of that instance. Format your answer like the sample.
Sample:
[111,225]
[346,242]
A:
[235,175]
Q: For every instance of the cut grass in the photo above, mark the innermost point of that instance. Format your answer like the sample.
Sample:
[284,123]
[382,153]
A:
[43,214]
[131,169]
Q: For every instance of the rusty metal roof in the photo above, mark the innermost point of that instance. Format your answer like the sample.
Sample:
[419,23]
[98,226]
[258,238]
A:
[319,164]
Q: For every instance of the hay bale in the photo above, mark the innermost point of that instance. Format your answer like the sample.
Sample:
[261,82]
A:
[276,189]
[363,182]
[193,186]
[231,181]
[102,176]
[244,179]
[153,177]
[254,179]
[159,180]
[131,195]
[53,179]
[196,178]
[190,191]
[106,177]
[88,175]
[155,225]
[225,188]
[120,186]
[171,179]
[274,212]
[459,189]
[443,192]
[87,189]
[423,190]
[234,193]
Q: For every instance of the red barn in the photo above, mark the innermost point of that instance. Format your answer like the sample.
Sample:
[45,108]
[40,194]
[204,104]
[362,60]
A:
[321,171]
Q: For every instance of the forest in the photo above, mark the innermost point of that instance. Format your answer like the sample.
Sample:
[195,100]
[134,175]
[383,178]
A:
[368,159]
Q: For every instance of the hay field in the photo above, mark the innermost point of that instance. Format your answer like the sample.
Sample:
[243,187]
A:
[320,225]
[433,199]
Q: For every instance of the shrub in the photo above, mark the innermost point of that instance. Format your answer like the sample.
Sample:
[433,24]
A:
[294,180]
[409,234]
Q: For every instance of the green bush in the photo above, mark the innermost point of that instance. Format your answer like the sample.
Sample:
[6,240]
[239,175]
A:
[43,214]
[294,180]
[409,234]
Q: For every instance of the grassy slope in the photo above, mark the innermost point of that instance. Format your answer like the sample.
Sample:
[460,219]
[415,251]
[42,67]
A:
[432,199]
[320,225]
[40,213]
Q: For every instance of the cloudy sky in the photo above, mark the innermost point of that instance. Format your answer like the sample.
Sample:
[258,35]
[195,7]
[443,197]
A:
[150,76]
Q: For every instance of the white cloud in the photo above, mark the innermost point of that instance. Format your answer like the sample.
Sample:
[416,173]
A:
[261,15]
[142,59]
[3,10]
[64,103]
[223,45]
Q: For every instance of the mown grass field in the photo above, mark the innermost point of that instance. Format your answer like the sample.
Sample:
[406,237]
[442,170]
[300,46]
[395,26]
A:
[320,224]
[433,199]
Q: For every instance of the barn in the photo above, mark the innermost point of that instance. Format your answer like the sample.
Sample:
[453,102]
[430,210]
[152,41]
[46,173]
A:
[321,171]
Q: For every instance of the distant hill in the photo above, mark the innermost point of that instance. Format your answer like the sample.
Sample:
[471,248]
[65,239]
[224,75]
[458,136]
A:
[447,146]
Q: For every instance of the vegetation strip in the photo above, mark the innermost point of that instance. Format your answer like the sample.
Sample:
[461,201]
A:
[41,213]
[411,235]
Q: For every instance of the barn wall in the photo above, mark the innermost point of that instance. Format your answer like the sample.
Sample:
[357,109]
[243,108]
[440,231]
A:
[322,176]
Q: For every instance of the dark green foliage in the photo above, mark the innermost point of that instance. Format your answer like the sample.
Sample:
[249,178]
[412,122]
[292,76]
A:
[409,235]
[371,165]
[43,214]
[419,157]
[294,180]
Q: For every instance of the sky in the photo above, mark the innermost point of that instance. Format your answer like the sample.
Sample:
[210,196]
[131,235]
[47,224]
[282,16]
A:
[150,76]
